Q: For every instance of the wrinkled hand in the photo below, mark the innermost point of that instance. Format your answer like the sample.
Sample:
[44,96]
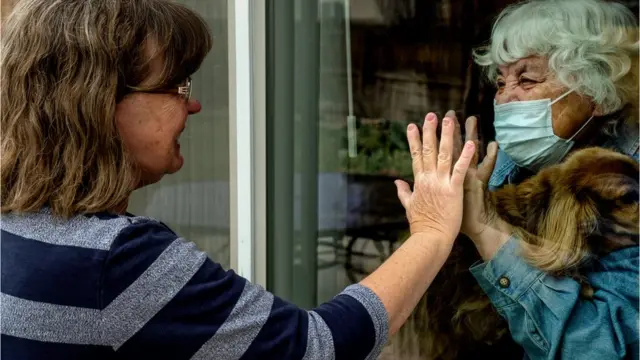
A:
[436,202]
[476,217]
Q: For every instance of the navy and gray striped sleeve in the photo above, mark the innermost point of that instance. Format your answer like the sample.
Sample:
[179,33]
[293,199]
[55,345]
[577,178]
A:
[163,298]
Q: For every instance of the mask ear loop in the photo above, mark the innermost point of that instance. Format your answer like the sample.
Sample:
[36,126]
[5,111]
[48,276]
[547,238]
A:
[561,97]
[581,128]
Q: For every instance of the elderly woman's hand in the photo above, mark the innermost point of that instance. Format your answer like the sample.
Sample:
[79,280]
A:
[487,231]
[436,203]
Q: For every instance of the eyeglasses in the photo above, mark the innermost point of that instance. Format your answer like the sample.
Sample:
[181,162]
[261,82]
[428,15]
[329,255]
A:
[183,90]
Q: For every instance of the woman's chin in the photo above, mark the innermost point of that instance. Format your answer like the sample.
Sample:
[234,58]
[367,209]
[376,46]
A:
[177,164]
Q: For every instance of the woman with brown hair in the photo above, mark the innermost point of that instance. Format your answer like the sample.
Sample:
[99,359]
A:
[95,95]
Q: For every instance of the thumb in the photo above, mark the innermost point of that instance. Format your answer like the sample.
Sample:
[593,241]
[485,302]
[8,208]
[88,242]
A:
[404,193]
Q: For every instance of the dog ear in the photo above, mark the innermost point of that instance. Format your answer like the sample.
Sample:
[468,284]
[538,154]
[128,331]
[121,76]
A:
[561,234]
[611,187]
[601,171]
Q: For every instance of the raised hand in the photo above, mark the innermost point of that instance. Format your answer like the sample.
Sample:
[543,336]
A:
[436,202]
[487,231]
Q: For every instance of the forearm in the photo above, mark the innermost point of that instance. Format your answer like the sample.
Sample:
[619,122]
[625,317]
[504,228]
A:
[402,280]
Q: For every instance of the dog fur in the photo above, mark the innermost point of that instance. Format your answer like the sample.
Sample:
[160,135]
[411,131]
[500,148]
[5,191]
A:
[567,215]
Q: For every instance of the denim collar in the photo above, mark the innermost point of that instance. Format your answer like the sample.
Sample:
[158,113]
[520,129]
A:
[506,171]
[627,140]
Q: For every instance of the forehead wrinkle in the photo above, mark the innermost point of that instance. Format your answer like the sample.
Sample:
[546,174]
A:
[534,66]
[525,65]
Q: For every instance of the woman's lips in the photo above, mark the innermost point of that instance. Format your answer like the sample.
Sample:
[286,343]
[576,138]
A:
[178,138]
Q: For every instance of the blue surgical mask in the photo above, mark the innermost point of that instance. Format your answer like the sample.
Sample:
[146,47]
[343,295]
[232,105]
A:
[524,131]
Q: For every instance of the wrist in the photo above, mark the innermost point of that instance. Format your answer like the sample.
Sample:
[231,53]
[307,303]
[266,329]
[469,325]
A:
[432,242]
[492,238]
[429,231]
[434,236]
[491,229]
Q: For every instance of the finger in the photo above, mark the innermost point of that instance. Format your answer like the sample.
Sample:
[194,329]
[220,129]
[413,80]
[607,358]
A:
[471,134]
[457,135]
[488,163]
[446,147]
[451,114]
[462,165]
[404,193]
[415,147]
[429,143]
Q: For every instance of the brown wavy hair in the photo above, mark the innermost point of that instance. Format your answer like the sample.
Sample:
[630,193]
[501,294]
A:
[64,65]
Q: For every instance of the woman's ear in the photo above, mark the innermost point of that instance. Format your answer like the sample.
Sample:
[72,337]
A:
[597,108]
[597,111]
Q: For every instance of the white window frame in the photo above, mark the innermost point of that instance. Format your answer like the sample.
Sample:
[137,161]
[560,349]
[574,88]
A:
[247,145]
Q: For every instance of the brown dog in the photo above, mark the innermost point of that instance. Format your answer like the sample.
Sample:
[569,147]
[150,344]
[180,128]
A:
[567,215]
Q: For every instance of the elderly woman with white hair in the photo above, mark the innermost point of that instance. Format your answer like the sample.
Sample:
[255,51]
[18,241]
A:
[566,78]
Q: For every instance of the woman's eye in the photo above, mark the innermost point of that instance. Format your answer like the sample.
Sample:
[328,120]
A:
[527,81]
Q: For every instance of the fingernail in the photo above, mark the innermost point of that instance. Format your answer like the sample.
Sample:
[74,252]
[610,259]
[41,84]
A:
[411,127]
[446,121]
[469,145]
[431,116]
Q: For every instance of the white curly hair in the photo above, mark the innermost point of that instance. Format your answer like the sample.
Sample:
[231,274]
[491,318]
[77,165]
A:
[591,46]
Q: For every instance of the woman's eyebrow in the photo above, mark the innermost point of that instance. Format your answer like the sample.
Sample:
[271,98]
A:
[532,67]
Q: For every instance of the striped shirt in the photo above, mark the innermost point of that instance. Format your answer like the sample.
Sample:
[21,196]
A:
[105,287]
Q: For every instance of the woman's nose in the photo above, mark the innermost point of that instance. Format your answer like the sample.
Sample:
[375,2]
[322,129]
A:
[508,93]
[193,106]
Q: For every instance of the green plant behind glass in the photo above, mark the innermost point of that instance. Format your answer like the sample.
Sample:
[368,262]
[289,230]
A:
[382,150]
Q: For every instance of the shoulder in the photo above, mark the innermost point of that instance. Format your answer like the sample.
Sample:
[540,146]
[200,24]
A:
[141,232]
[95,231]
[143,252]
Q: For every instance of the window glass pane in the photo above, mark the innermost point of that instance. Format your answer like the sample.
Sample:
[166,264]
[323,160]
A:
[195,201]
[345,78]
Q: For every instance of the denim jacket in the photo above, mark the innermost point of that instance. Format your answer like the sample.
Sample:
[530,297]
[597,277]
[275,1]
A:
[546,315]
